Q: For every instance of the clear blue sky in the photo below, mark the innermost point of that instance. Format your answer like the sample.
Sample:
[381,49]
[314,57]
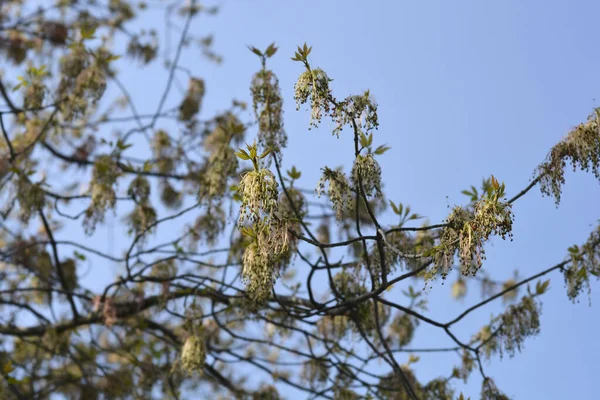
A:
[465,89]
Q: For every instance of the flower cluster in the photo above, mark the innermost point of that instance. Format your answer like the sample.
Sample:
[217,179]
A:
[208,226]
[15,46]
[141,218]
[366,170]
[287,210]
[265,257]
[449,239]
[467,231]
[163,151]
[30,196]
[190,106]
[82,82]
[145,52]
[398,240]
[401,329]
[339,191]
[169,196]
[258,190]
[313,85]
[69,273]
[315,372]
[193,354]
[104,178]
[585,261]
[268,108]
[490,217]
[164,269]
[362,109]
[221,165]
[507,332]
[581,147]
[34,94]
[489,391]
[518,322]
[333,327]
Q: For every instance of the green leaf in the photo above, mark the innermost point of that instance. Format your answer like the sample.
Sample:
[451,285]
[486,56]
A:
[242,154]
[248,232]
[266,153]
[381,149]
[394,208]
[364,141]
[413,359]
[540,287]
[87,33]
[252,150]
[271,50]
[255,51]
[79,256]
[112,58]
[294,173]
[122,146]
[495,183]
[147,167]
[307,50]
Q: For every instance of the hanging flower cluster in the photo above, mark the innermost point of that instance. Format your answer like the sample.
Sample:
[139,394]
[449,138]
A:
[489,391]
[581,148]
[208,227]
[360,109]
[313,86]
[268,109]
[366,170]
[193,354]
[83,80]
[508,331]
[271,240]
[518,322]
[585,263]
[315,372]
[30,196]
[191,103]
[143,51]
[466,231]
[163,151]
[339,191]
[104,178]
[401,329]
[221,165]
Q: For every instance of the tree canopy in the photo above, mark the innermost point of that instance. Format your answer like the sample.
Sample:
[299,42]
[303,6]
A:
[234,281]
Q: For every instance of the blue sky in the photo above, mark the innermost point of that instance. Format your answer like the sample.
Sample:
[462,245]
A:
[465,89]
